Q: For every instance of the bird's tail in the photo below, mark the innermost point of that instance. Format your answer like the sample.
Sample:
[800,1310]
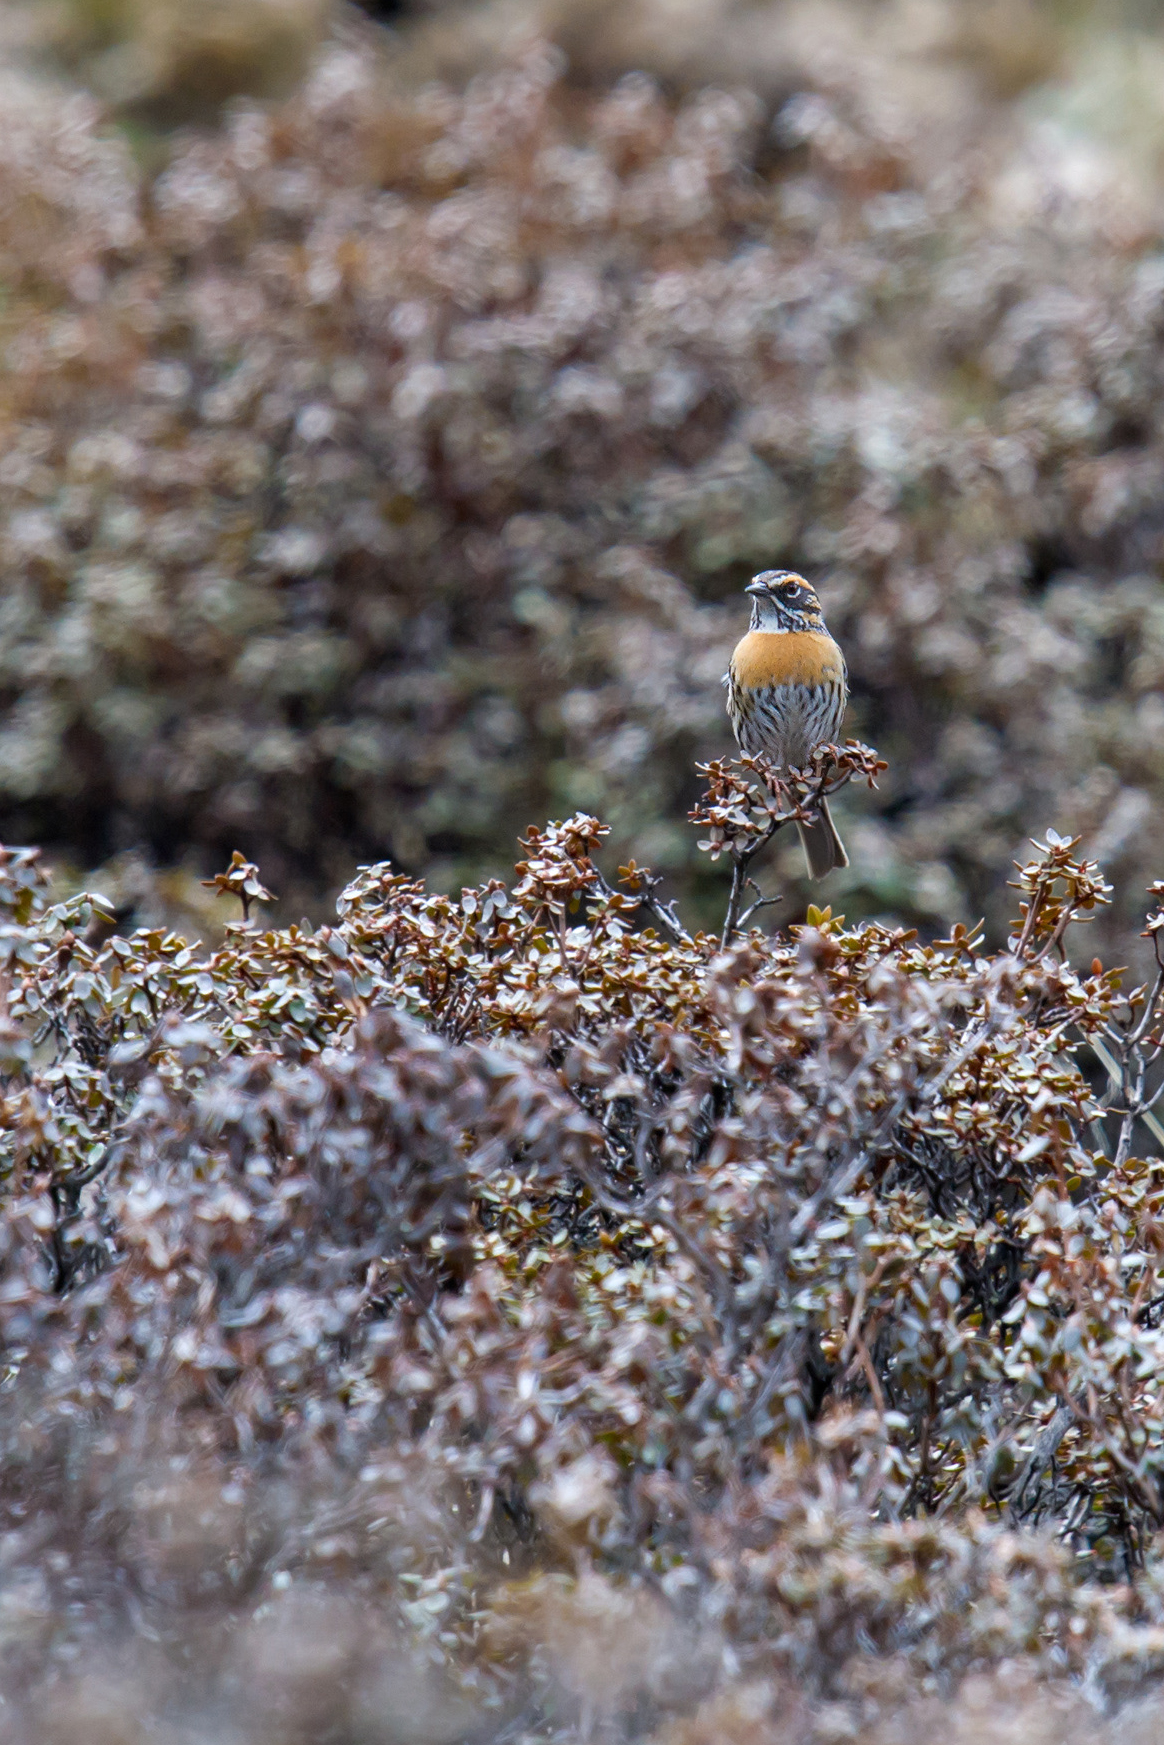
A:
[823,848]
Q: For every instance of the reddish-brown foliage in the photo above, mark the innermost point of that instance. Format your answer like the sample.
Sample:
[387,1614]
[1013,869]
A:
[601,1308]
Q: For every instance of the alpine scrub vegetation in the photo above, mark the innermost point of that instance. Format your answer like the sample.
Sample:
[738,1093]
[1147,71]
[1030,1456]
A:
[379,468]
[514,1316]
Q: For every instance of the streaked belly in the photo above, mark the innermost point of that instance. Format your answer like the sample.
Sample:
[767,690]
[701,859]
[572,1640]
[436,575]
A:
[788,722]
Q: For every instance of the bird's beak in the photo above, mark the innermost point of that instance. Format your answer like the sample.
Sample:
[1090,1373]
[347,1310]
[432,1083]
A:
[756,588]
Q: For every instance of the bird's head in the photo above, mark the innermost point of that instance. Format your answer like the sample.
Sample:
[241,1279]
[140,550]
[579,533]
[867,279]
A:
[782,600]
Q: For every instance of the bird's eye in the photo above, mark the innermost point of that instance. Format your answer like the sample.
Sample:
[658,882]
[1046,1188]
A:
[790,590]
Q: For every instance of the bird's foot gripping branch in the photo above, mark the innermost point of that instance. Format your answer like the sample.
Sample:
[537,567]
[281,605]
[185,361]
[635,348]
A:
[567,1265]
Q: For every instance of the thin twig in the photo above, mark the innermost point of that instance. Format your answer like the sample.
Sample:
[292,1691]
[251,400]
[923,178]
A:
[1044,1450]
[760,903]
[662,914]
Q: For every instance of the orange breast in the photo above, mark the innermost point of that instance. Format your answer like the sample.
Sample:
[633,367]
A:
[791,657]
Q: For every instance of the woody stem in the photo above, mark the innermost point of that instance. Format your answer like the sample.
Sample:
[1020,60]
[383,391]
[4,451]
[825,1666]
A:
[742,859]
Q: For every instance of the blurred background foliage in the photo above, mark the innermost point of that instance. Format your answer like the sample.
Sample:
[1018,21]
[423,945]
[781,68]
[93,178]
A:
[393,403]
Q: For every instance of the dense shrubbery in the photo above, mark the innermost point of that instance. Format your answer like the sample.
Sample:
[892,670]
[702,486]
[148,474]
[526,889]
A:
[519,1314]
[494,1317]
[380,470]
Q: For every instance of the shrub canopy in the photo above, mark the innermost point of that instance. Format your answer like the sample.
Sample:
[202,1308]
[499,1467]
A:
[537,1270]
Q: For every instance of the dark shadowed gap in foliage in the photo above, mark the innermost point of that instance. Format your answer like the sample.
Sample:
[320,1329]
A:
[1046,558]
[390,11]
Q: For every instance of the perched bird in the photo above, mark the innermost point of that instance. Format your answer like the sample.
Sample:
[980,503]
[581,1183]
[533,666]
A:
[787,690]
